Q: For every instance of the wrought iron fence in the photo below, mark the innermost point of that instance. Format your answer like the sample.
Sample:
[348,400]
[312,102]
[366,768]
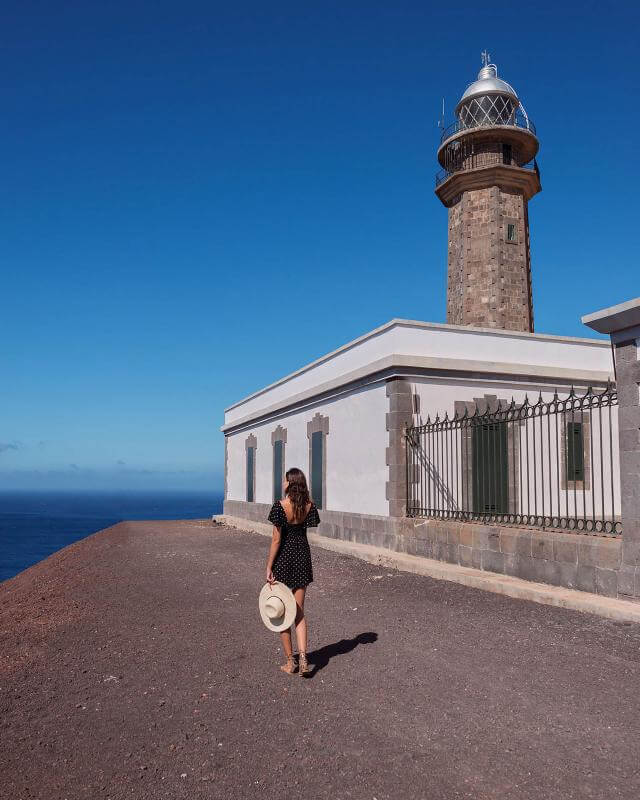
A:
[550,463]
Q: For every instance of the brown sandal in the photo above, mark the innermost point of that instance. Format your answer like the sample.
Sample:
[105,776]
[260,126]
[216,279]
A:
[290,666]
[303,668]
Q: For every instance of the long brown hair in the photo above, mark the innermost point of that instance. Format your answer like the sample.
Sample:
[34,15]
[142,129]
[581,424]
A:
[298,493]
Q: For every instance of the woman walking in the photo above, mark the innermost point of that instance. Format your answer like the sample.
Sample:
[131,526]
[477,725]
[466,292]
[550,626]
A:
[289,558]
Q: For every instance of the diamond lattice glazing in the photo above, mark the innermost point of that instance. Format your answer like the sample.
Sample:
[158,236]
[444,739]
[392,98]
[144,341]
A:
[488,110]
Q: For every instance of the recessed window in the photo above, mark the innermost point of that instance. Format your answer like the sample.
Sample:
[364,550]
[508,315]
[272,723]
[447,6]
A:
[575,451]
[512,232]
[278,458]
[251,456]
[317,446]
[506,154]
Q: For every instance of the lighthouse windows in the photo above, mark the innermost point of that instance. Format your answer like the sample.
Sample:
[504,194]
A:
[511,231]
[487,110]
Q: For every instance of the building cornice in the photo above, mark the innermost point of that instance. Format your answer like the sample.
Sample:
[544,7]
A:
[408,323]
[420,366]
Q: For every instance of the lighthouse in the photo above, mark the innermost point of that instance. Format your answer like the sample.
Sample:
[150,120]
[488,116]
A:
[489,174]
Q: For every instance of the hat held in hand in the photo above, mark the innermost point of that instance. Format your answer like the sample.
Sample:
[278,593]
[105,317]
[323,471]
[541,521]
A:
[277,606]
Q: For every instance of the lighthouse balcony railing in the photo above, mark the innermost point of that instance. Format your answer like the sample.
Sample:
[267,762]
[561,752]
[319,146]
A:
[517,121]
[467,165]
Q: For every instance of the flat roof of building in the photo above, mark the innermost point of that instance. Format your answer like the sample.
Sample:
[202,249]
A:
[614,318]
[419,324]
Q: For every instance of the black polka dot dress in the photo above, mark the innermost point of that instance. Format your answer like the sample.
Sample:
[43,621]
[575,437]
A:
[292,564]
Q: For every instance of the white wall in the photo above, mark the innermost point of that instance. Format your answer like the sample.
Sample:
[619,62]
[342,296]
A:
[355,452]
[439,395]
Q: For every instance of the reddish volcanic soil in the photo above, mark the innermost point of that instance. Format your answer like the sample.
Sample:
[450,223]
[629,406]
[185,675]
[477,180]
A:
[134,664]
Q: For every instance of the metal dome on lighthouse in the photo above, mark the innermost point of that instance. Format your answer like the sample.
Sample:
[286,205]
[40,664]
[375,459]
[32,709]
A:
[488,176]
[488,100]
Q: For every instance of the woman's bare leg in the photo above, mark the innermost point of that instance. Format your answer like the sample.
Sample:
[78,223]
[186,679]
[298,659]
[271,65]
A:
[289,665]
[300,622]
[285,638]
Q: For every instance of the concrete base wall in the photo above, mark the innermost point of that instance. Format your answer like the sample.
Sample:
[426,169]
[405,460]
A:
[575,561]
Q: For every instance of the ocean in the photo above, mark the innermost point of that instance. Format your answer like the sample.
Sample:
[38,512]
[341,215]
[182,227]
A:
[33,525]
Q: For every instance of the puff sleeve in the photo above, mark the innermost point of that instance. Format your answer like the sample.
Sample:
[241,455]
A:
[313,518]
[277,516]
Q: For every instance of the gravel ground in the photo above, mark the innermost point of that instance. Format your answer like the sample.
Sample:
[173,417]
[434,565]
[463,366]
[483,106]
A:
[134,664]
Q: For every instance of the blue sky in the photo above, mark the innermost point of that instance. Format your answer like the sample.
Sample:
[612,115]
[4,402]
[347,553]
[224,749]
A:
[198,198]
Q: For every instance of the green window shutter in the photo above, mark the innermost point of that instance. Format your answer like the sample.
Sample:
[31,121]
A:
[250,463]
[490,468]
[277,469]
[575,451]
[317,445]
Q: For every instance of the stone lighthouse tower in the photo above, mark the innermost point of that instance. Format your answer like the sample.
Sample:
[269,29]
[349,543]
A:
[488,176]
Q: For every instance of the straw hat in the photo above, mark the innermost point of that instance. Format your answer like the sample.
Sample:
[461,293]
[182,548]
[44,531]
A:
[277,606]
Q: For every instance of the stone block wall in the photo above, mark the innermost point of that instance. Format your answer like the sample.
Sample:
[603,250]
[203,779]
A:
[489,278]
[575,561]
[400,414]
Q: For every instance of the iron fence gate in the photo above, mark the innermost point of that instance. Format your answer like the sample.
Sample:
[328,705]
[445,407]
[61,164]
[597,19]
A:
[550,463]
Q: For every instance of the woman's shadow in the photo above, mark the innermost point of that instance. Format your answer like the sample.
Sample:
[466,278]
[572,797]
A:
[318,659]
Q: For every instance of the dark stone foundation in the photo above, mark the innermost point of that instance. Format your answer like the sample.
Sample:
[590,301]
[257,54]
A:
[575,561]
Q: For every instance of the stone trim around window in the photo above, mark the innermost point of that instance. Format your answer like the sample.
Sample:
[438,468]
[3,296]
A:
[279,435]
[585,418]
[250,441]
[319,424]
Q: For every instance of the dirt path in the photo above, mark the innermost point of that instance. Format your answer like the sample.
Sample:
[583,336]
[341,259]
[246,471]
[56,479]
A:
[134,664]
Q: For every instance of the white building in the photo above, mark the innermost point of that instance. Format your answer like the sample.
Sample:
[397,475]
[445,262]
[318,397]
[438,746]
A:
[338,420]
